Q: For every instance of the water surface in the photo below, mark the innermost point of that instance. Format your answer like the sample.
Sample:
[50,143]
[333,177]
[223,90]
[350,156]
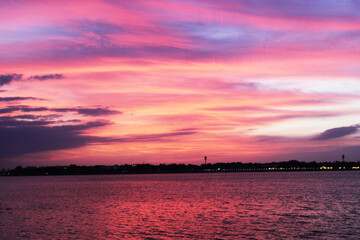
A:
[277,205]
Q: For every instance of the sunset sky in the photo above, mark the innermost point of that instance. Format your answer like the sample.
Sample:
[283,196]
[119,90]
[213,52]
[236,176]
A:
[170,81]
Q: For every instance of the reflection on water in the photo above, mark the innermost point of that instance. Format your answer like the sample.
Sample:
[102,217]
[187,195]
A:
[315,205]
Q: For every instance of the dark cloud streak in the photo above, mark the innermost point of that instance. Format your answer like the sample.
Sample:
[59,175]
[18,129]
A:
[84,111]
[88,111]
[8,78]
[19,140]
[11,99]
[47,77]
[337,132]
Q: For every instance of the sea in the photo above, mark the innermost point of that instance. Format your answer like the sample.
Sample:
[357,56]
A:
[254,205]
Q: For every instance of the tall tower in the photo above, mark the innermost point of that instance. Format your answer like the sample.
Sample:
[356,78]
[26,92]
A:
[205,160]
[343,157]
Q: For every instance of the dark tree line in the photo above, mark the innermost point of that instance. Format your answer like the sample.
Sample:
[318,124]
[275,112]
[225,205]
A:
[292,165]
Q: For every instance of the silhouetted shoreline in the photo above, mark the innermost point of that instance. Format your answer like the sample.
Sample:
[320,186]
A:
[292,165]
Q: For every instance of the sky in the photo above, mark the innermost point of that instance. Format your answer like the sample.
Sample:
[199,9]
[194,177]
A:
[168,81]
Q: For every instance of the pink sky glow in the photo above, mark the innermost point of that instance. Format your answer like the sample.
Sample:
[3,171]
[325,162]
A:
[115,82]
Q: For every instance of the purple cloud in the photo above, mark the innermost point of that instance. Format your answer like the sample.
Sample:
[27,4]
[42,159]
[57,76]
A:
[320,9]
[23,138]
[47,77]
[22,108]
[11,99]
[8,78]
[99,27]
[337,132]
[22,121]
[88,111]
[84,111]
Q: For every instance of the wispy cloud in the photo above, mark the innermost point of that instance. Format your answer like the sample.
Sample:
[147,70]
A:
[80,110]
[8,78]
[337,132]
[11,99]
[88,111]
[47,77]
